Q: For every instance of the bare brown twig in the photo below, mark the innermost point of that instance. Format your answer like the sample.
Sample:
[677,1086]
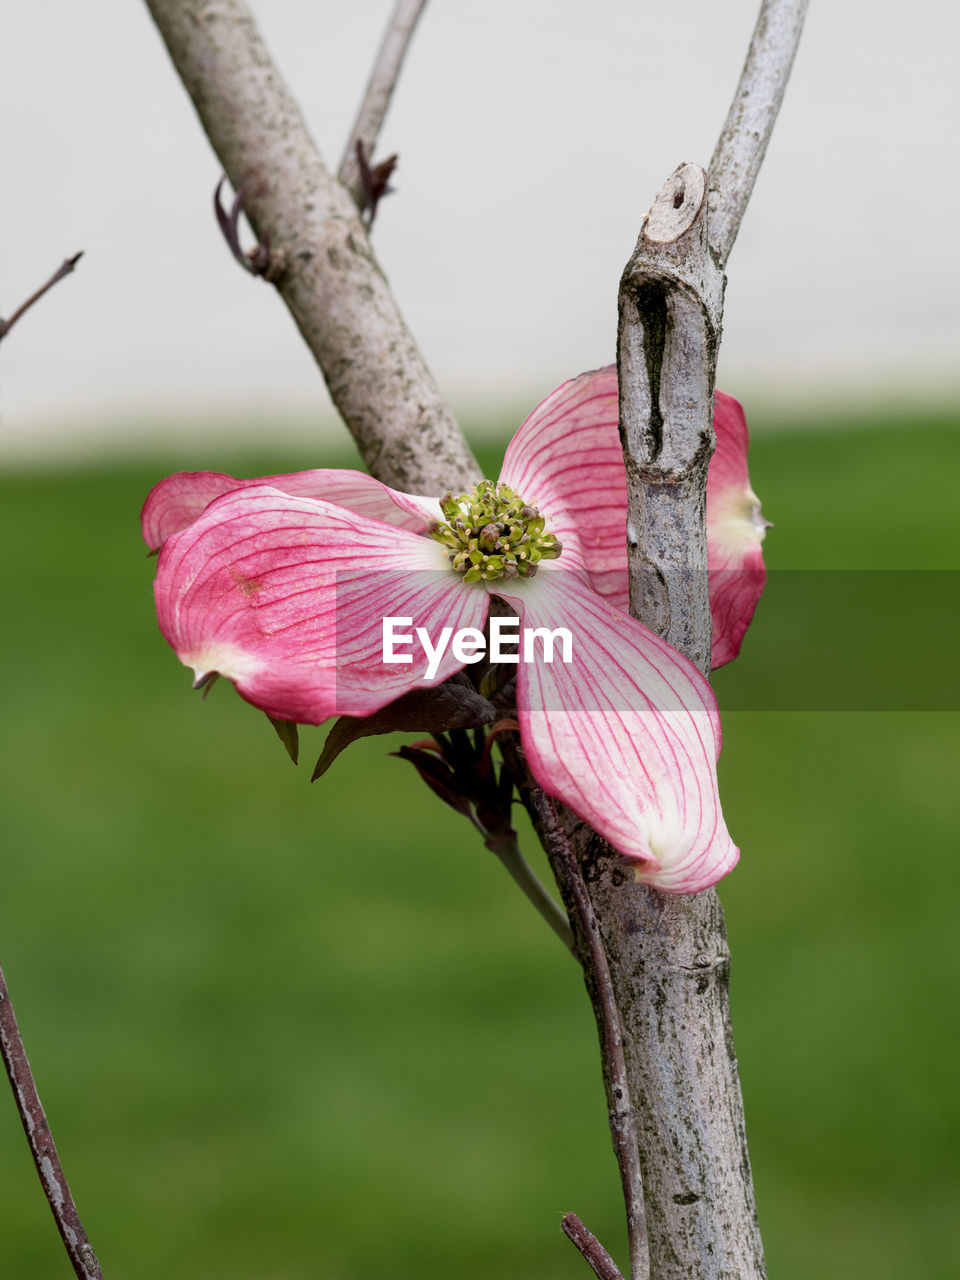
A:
[600,1262]
[64,269]
[42,1146]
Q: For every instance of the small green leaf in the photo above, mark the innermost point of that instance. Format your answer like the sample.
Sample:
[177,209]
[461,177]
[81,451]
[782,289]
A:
[288,734]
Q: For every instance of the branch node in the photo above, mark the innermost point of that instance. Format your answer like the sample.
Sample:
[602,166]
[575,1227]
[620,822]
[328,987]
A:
[374,182]
[376,99]
[594,1254]
[677,205]
[258,261]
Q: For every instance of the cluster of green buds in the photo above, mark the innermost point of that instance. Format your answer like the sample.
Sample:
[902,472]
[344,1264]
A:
[492,533]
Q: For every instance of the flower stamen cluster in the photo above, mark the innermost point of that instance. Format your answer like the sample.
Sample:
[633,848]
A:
[492,533]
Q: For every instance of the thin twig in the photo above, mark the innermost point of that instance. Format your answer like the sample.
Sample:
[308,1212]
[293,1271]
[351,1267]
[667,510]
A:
[508,851]
[63,270]
[600,1262]
[743,140]
[622,1120]
[42,1146]
[376,99]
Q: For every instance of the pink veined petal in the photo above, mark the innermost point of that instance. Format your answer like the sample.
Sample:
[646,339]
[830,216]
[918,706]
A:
[567,454]
[735,531]
[566,460]
[627,734]
[286,597]
[178,500]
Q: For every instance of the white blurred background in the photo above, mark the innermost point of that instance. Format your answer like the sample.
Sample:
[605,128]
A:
[533,136]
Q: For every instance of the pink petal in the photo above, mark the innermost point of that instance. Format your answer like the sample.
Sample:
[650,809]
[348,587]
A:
[177,501]
[627,735]
[285,597]
[735,531]
[566,458]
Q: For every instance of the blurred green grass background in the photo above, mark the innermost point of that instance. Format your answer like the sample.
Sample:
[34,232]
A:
[285,1031]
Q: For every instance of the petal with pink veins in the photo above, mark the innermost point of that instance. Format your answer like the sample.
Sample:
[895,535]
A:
[627,734]
[567,455]
[177,501]
[735,532]
[566,460]
[286,597]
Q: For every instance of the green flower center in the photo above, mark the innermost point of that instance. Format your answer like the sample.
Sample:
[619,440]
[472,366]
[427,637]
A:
[492,533]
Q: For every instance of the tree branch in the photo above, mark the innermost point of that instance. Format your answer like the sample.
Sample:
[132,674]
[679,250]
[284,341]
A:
[743,140]
[596,972]
[42,1146]
[668,954]
[599,1261]
[670,968]
[65,269]
[671,300]
[379,91]
[325,268]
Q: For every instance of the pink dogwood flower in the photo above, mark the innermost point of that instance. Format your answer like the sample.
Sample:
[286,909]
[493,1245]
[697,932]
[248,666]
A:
[282,584]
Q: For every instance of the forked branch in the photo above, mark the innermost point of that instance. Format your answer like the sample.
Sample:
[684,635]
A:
[667,956]
[594,1254]
[334,287]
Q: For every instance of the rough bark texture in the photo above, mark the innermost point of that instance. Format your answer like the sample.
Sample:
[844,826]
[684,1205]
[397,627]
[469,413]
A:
[671,297]
[668,956]
[670,967]
[323,264]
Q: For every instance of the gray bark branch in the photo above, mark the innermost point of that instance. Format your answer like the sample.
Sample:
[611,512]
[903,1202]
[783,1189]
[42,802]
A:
[324,267]
[379,91]
[669,965]
[668,955]
[743,140]
[671,298]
